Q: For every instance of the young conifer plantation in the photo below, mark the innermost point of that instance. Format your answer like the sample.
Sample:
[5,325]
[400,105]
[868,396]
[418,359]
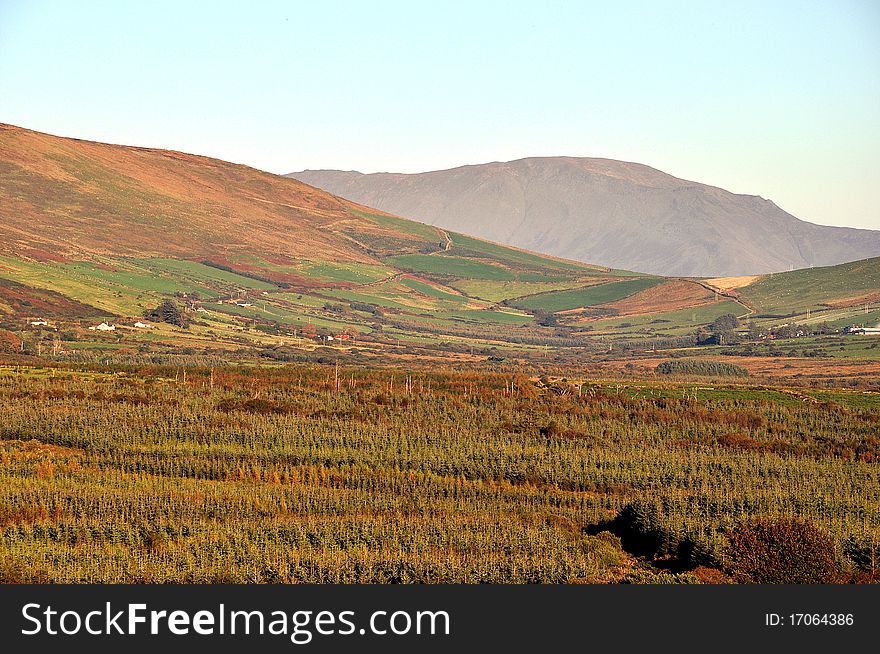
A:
[326,474]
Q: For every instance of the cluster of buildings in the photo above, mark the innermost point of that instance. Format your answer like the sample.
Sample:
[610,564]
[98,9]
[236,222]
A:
[866,331]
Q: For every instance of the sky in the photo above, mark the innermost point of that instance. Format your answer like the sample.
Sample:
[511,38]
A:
[777,99]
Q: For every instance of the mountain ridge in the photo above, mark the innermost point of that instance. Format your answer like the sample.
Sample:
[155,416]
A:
[571,207]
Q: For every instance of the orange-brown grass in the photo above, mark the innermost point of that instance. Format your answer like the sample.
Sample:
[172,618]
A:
[731,283]
[868,298]
[72,198]
[20,300]
[670,296]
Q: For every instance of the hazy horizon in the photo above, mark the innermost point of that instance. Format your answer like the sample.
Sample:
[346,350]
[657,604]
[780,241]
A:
[774,100]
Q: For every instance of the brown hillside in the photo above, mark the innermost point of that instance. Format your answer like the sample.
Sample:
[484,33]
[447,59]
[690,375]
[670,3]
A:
[67,198]
[670,296]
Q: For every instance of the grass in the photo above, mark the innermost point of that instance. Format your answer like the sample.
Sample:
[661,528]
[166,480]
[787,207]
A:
[586,297]
[126,286]
[796,291]
[84,283]
[496,291]
[517,259]
[671,321]
[393,300]
[450,266]
[409,227]
[208,275]
[486,316]
[433,291]
[273,313]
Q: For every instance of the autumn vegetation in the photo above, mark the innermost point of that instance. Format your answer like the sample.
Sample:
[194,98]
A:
[331,474]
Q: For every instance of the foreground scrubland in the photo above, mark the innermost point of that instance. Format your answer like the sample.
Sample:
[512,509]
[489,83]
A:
[325,474]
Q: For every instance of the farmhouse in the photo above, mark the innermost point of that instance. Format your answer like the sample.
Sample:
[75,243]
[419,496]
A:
[104,327]
[143,325]
[864,331]
[39,323]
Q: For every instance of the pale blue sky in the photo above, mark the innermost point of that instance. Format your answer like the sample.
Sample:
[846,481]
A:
[779,99]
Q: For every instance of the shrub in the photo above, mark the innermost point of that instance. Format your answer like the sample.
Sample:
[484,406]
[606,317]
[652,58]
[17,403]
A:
[780,550]
[863,552]
[701,367]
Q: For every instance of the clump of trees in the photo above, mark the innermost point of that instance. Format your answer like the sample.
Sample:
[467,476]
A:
[701,367]
[168,311]
[645,529]
[722,331]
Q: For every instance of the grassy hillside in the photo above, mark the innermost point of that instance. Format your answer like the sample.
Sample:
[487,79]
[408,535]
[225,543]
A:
[112,230]
[848,284]
[91,231]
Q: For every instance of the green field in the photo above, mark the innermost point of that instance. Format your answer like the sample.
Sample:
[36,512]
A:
[181,269]
[496,291]
[518,258]
[123,289]
[687,319]
[411,227]
[796,291]
[450,266]
[586,297]
[433,291]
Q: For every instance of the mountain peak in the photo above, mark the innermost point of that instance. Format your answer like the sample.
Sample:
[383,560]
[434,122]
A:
[615,213]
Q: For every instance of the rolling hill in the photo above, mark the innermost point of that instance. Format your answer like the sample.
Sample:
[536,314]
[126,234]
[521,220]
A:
[110,230]
[92,232]
[618,214]
[849,285]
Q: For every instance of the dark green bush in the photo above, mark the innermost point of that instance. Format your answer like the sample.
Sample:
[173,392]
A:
[700,367]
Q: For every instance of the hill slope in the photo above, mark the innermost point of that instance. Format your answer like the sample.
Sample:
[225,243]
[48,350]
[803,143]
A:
[111,230]
[855,284]
[619,214]
[66,198]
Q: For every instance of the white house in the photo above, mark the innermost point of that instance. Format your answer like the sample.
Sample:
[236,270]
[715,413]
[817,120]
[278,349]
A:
[104,327]
[143,325]
[39,323]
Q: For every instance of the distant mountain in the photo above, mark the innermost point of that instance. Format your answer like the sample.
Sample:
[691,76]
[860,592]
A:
[90,227]
[614,213]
